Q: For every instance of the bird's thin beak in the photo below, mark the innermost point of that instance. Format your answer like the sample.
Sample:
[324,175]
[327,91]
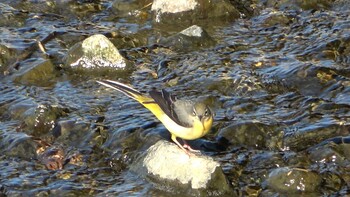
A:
[200,118]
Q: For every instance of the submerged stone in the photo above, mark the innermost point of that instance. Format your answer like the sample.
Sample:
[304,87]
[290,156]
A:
[36,119]
[5,57]
[71,132]
[127,8]
[293,180]
[17,144]
[38,73]
[308,136]
[271,17]
[53,158]
[253,134]
[11,16]
[331,151]
[170,168]
[300,4]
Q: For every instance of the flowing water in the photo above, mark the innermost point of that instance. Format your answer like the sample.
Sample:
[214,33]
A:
[278,82]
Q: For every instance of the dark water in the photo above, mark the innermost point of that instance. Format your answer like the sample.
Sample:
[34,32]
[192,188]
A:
[278,82]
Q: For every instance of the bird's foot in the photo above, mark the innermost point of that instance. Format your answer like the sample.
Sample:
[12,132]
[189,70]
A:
[188,147]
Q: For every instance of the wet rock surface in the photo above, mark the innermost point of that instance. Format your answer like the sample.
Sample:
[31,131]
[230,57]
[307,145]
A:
[96,54]
[41,72]
[165,10]
[163,164]
[188,39]
[288,181]
[275,73]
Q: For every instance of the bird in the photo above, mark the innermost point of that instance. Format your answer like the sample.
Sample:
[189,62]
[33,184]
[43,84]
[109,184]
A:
[185,119]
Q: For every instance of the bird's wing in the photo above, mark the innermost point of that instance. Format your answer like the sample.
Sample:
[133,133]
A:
[166,102]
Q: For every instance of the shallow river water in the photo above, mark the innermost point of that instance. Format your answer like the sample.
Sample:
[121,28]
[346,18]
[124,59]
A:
[277,78]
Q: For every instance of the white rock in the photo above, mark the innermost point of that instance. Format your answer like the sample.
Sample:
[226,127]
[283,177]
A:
[166,6]
[194,30]
[167,166]
[184,11]
[95,52]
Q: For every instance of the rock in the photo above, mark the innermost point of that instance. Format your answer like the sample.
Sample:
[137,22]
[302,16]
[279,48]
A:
[53,158]
[309,136]
[315,4]
[168,10]
[170,168]
[17,144]
[11,16]
[5,57]
[341,5]
[293,180]
[36,119]
[299,4]
[39,73]
[265,159]
[190,38]
[270,17]
[16,111]
[174,6]
[96,55]
[194,31]
[333,150]
[253,134]
[71,132]
[125,8]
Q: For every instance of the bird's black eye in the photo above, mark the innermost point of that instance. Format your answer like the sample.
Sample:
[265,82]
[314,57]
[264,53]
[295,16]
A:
[206,113]
[194,113]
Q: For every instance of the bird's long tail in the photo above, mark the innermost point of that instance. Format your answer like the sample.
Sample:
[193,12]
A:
[128,91]
[146,101]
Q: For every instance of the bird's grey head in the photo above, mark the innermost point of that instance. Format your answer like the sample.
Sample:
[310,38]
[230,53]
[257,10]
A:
[202,111]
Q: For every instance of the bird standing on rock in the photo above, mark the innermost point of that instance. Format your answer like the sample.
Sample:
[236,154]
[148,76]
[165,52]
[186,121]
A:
[185,119]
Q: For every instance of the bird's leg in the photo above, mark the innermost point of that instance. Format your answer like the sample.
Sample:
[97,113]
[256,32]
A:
[189,147]
[173,137]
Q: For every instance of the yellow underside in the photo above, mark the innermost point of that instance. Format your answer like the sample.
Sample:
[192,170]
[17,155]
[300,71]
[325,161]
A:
[188,133]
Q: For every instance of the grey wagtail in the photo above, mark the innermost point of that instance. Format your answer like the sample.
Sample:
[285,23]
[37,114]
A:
[185,119]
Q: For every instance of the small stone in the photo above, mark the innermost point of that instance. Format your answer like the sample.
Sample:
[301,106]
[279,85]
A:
[194,31]
[36,119]
[182,10]
[10,16]
[70,132]
[249,133]
[40,73]
[293,180]
[5,57]
[53,158]
[190,38]
[270,17]
[18,144]
[96,55]
[166,6]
